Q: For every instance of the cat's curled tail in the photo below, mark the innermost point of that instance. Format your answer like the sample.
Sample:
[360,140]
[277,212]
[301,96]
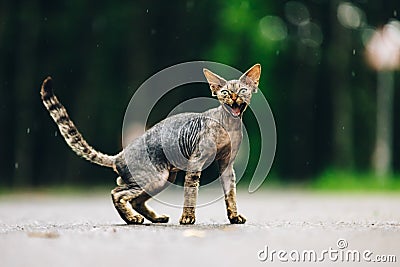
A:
[68,130]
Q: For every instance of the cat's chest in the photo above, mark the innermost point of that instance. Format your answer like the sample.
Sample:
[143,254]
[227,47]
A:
[229,141]
[235,138]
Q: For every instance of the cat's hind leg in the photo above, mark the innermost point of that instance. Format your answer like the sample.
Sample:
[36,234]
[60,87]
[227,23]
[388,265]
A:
[122,196]
[139,203]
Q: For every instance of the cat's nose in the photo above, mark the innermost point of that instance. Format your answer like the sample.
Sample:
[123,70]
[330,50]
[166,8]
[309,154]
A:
[234,96]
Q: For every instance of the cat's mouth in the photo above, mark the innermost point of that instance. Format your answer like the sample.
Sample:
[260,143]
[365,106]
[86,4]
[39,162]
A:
[235,109]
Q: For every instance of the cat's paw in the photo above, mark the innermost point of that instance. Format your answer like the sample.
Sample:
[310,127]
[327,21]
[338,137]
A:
[238,219]
[187,219]
[136,219]
[161,219]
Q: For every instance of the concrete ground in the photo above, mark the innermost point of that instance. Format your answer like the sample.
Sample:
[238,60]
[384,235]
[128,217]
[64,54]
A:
[77,230]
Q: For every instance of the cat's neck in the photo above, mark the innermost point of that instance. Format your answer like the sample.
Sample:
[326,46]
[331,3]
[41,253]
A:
[227,120]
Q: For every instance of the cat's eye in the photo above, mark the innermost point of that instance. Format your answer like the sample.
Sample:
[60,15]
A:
[242,91]
[224,92]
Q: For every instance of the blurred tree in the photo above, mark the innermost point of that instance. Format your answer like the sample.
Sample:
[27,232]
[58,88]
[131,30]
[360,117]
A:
[27,18]
[383,54]
[340,50]
[6,94]
[382,156]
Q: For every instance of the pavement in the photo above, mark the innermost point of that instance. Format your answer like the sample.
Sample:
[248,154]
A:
[283,227]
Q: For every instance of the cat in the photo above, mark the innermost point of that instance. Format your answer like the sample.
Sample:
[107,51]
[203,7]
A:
[186,141]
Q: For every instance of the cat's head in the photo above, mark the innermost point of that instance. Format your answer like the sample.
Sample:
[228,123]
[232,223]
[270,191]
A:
[234,95]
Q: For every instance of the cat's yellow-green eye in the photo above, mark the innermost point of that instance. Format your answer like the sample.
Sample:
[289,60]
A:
[243,91]
[224,92]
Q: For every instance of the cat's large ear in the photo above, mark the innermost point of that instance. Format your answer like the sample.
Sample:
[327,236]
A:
[216,82]
[252,77]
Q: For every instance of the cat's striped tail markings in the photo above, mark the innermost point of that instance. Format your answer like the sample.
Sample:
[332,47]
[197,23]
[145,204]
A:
[68,129]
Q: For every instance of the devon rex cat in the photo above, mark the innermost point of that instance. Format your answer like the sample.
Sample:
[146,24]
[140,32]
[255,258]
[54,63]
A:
[187,141]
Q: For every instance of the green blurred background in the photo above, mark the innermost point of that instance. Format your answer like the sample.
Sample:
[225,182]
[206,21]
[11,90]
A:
[321,89]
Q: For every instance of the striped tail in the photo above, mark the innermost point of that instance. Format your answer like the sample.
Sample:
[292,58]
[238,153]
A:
[68,130]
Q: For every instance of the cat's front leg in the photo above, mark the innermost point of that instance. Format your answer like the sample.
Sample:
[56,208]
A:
[191,187]
[228,181]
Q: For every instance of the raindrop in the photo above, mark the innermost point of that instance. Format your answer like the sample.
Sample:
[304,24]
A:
[353,74]
[395,13]
[354,52]
[55,133]
[28,130]
[147,10]
[273,28]
[16,165]
[297,13]
[277,52]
